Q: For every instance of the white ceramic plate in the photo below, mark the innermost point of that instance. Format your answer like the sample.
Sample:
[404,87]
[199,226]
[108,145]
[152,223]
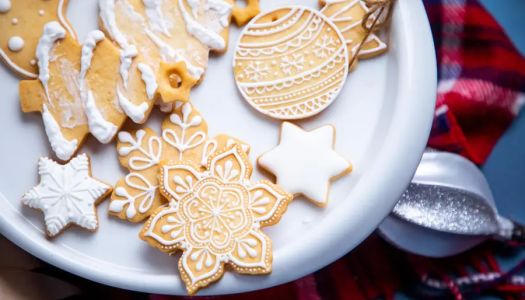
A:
[382,116]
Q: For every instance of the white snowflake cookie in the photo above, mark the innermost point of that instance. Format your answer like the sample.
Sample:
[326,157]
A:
[67,194]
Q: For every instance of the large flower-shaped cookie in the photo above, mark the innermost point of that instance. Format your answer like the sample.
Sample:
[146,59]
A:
[184,137]
[215,216]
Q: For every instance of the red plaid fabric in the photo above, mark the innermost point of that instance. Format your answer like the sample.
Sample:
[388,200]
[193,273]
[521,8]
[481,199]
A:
[481,89]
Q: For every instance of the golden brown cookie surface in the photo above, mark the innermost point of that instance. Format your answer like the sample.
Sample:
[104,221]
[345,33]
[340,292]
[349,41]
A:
[214,217]
[290,63]
[348,16]
[22,23]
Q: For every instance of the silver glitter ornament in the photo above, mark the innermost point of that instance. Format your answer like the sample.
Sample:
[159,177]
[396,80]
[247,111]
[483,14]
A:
[447,209]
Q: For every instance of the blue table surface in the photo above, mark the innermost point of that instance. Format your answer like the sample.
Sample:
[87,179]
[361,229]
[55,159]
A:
[505,169]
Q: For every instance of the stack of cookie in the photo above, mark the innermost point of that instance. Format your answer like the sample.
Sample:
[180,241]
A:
[193,191]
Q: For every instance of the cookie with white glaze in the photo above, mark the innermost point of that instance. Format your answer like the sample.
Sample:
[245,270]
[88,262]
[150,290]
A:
[305,162]
[22,23]
[67,195]
[79,90]
[170,31]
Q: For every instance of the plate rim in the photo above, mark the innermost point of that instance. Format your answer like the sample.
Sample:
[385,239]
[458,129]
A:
[418,47]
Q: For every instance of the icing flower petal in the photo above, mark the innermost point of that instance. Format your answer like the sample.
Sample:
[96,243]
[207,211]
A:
[231,165]
[199,267]
[253,251]
[165,229]
[268,202]
[178,180]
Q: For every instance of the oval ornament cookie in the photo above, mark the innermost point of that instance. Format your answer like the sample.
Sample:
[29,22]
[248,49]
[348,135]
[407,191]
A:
[290,63]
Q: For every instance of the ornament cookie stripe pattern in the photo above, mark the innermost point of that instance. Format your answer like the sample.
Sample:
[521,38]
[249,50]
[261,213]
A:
[22,22]
[67,194]
[290,63]
[214,216]
[303,152]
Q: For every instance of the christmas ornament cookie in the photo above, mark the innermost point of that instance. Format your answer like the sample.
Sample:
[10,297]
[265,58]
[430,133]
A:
[67,194]
[304,162]
[184,137]
[22,23]
[348,16]
[290,63]
[171,31]
[79,90]
[214,217]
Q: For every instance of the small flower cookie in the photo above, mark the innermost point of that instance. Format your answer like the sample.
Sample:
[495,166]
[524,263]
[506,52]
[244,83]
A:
[184,137]
[22,23]
[305,162]
[290,63]
[81,89]
[170,31]
[67,194]
[348,16]
[215,218]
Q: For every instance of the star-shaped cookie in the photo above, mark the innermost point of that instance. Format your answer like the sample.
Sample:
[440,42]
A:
[67,194]
[304,162]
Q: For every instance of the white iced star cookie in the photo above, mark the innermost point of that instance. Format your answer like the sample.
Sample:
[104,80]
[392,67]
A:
[304,162]
[67,194]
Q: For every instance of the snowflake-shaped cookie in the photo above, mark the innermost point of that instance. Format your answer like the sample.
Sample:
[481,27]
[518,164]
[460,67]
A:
[215,216]
[184,137]
[67,194]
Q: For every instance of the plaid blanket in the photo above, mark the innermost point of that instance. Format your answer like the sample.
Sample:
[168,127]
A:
[481,89]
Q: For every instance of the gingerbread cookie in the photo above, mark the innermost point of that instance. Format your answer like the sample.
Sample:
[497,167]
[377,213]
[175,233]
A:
[22,23]
[184,137]
[348,16]
[67,194]
[171,31]
[290,63]
[79,90]
[214,217]
[305,162]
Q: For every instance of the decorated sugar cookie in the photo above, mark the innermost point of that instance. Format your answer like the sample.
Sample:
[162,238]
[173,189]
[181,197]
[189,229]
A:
[67,194]
[79,90]
[184,137]
[348,16]
[290,63]
[22,23]
[171,31]
[215,216]
[305,162]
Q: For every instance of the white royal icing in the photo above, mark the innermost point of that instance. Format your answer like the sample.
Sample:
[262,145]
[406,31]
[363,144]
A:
[148,76]
[5,6]
[62,147]
[156,17]
[52,33]
[66,194]
[126,59]
[107,15]
[208,36]
[101,129]
[169,54]
[15,43]
[304,162]
[135,112]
